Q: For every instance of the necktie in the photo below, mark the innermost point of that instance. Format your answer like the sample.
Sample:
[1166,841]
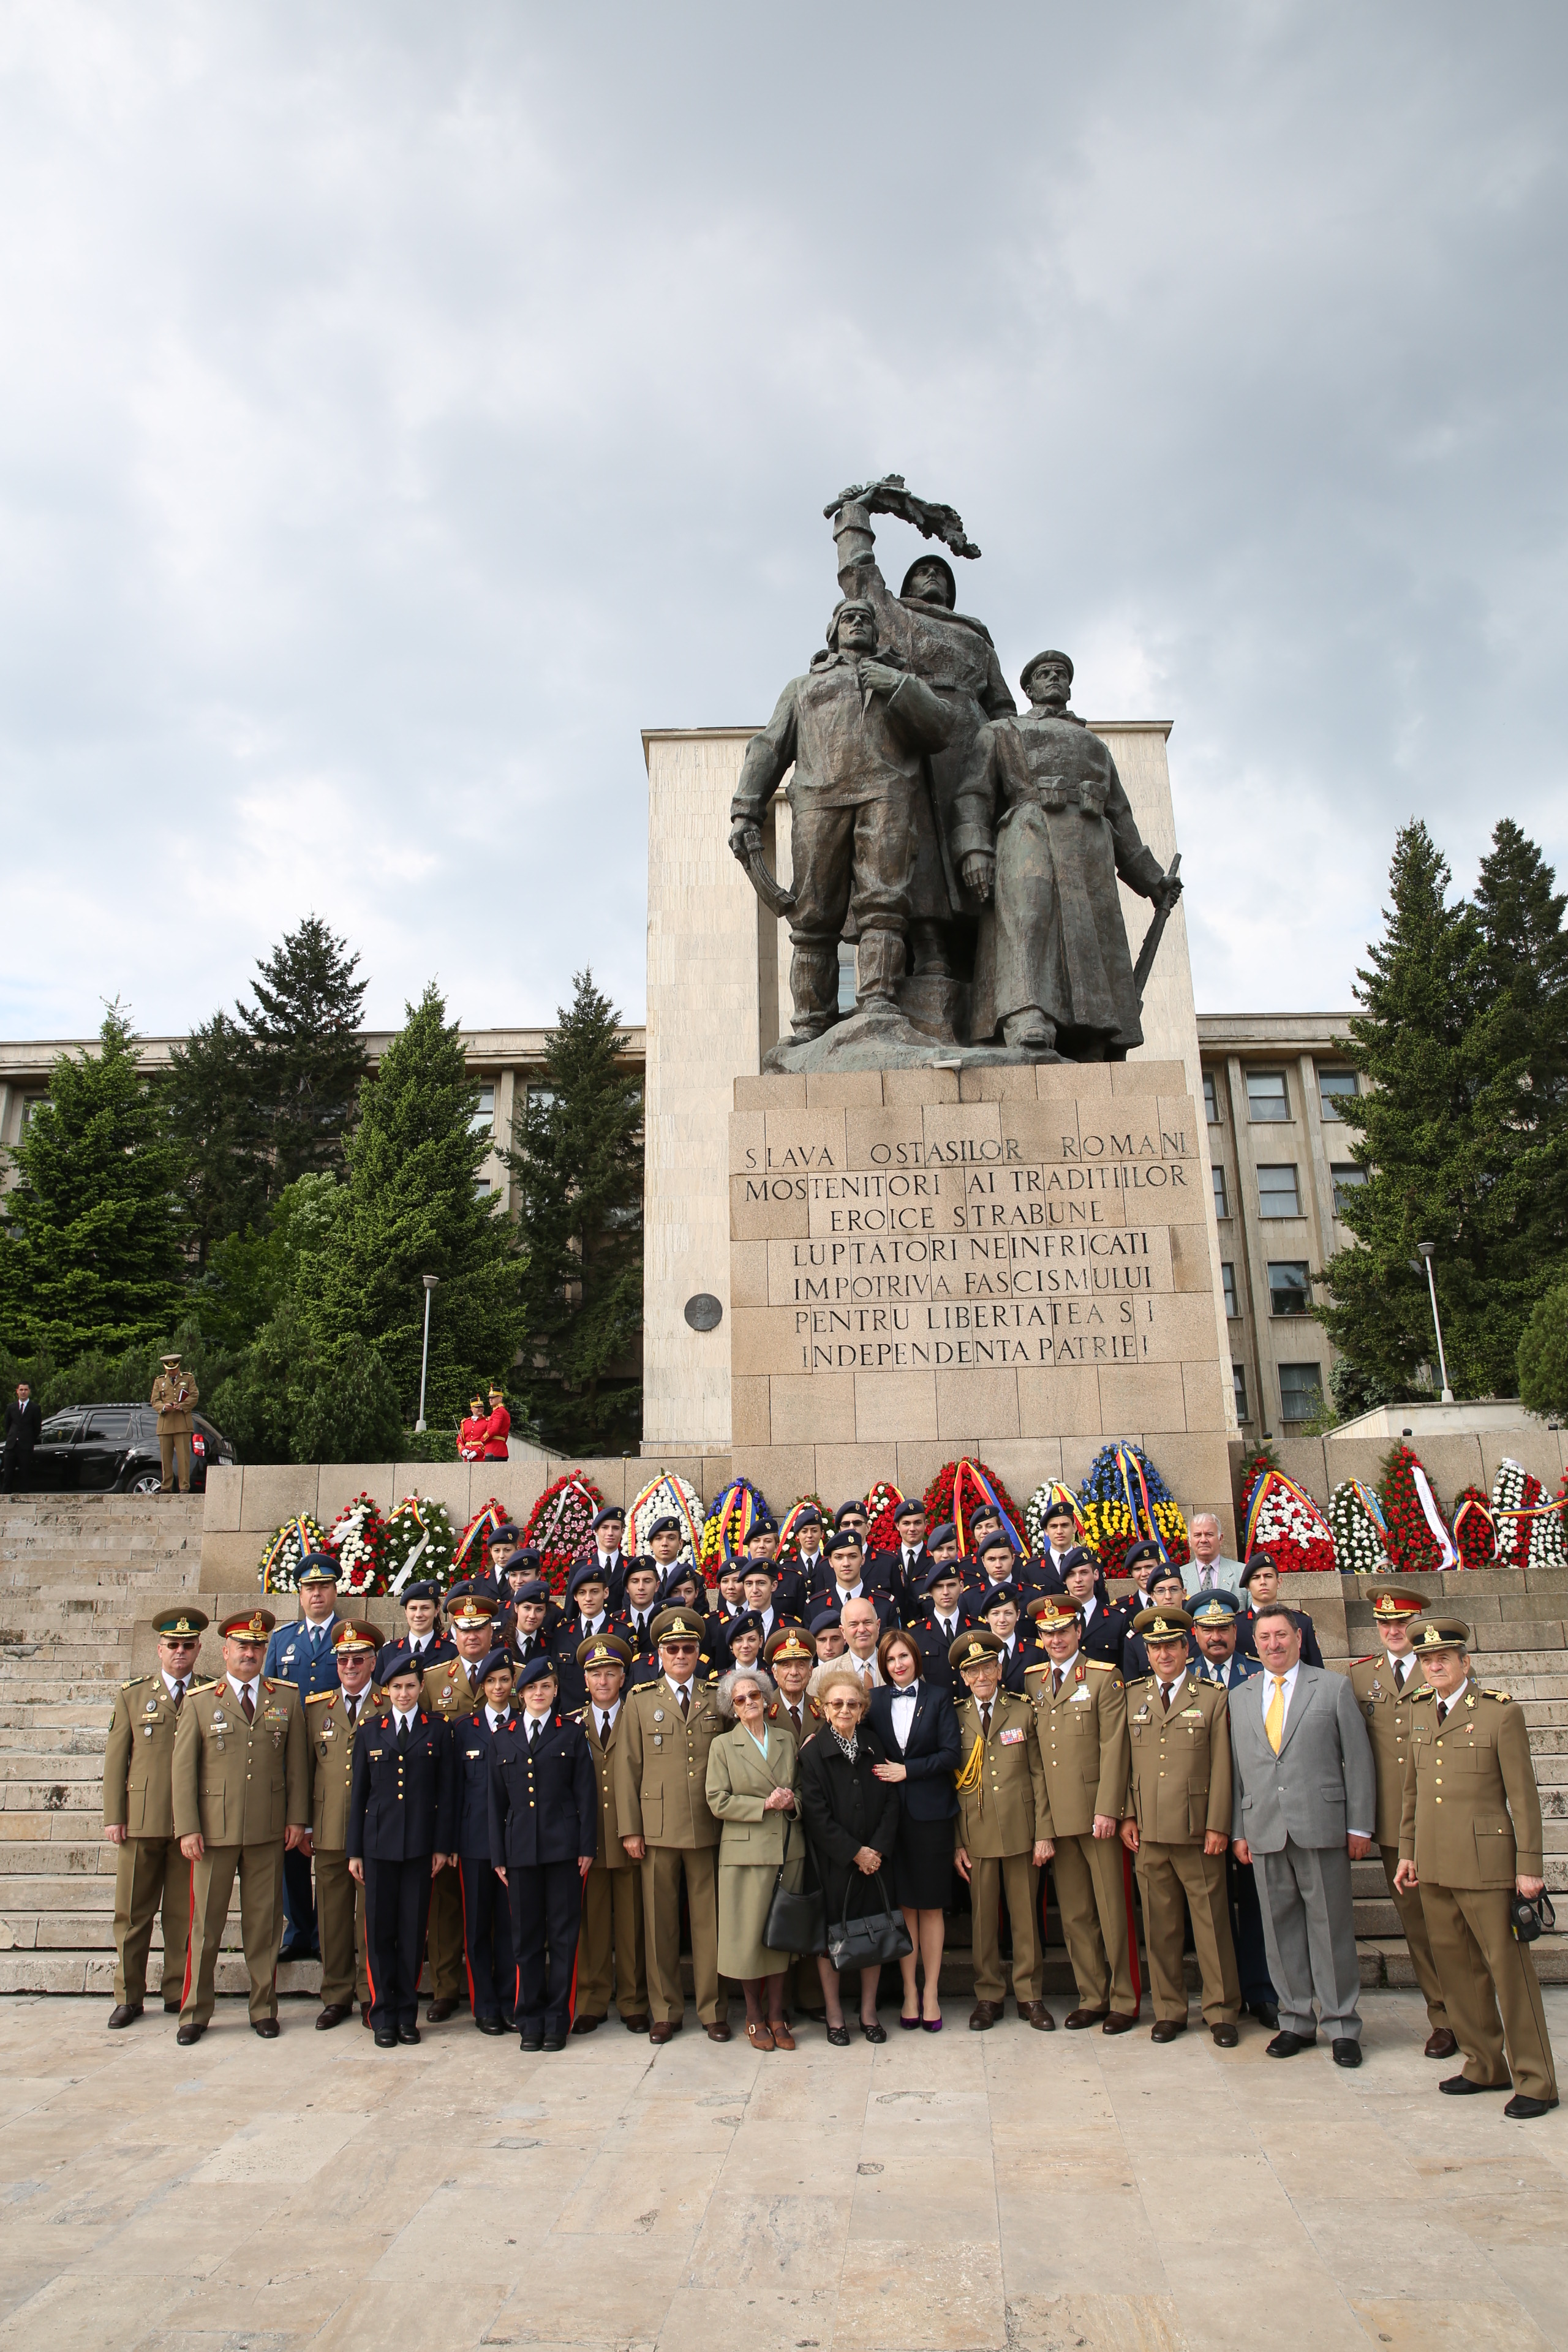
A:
[532,1733]
[353,1712]
[985,1723]
[1442,1710]
[604,1729]
[179,1696]
[1056,1682]
[794,1718]
[685,1696]
[248,1705]
[1399,1668]
[1165,1698]
[1274,1720]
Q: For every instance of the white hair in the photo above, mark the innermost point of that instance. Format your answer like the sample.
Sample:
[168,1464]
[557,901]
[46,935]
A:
[724,1696]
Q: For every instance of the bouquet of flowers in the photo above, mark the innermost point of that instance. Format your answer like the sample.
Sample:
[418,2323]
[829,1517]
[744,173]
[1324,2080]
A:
[1050,1491]
[1417,1538]
[279,1570]
[562,1525]
[358,1536]
[789,1527]
[957,1492]
[667,1497]
[472,1555]
[883,1500]
[1282,1518]
[729,1523]
[1475,1529]
[1529,1525]
[419,1543]
[1355,1519]
[1125,1501]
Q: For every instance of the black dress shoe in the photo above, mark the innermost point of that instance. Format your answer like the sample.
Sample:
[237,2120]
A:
[409,2033]
[333,2014]
[1265,2013]
[489,2024]
[533,2040]
[873,2032]
[637,2024]
[840,2036]
[1078,2020]
[1524,2109]
[718,2031]
[189,2033]
[1459,2087]
[1285,2045]
[586,2024]
[1226,2036]
[386,2038]
[1346,2052]
[440,2010]
[268,2028]
[125,2013]
[555,2041]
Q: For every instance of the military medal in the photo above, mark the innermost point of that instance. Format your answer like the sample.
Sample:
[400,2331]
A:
[152,1706]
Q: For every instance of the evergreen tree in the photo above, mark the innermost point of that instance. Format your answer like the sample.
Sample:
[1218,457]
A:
[303,1031]
[1543,1356]
[411,1210]
[219,1132]
[92,1256]
[577,1162]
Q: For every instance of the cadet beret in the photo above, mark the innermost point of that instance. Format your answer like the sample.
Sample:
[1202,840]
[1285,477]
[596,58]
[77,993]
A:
[677,1625]
[1260,1558]
[824,1620]
[1162,1624]
[1390,1602]
[1007,1590]
[997,1542]
[405,1662]
[768,1568]
[318,1568]
[909,1508]
[745,1621]
[525,1555]
[1444,1633]
[175,1622]
[491,1664]
[972,1649]
[940,1574]
[533,1587]
[587,1571]
[763,1526]
[1058,1508]
[1079,1556]
[789,1642]
[612,1513]
[506,1533]
[533,1670]
[853,1504]
[810,1518]
[945,1534]
[248,1625]
[843,1540]
[1141,1551]
[426,1591]
[681,1573]
[604,1650]
[1054,1612]
[472,1608]
[1215,1608]
[666,1526]
[355,1633]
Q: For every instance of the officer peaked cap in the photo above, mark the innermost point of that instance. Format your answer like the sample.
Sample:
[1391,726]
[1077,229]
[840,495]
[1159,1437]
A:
[1393,1602]
[1444,1633]
[1162,1624]
[678,1624]
[355,1633]
[1215,1608]
[1054,1611]
[177,1623]
[318,1568]
[604,1650]
[973,1649]
[788,1641]
[248,1625]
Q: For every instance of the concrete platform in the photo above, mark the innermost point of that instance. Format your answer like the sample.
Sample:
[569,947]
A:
[959,2193]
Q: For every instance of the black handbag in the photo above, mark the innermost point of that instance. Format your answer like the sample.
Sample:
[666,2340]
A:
[797,1919]
[876,1935]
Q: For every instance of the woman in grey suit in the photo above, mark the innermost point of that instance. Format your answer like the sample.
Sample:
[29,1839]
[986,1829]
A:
[751,1788]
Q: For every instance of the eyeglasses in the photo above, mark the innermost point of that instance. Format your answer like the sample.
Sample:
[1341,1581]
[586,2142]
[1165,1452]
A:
[681,1649]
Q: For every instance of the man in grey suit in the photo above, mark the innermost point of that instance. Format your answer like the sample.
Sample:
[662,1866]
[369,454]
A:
[1209,1571]
[1304,1804]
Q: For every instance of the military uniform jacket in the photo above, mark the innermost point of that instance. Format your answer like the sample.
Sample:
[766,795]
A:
[401,1796]
[237,1783]
[331,1749]
[181,1394]
[611,1853]
[1471,1815]
[138,1762]
[472,1742]
[447,1692]
[544,1795]
[661,1765]
[1387,1712]
[1006,1808]
[436,1651]
[1082,1734]
[1180,1760]
[291,1654]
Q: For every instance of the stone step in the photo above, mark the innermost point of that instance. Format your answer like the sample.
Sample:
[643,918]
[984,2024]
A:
[51,1739]
[21,1767]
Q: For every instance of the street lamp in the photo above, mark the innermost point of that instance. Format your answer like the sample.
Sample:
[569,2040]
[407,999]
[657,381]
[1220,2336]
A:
[430,1280]
[1428,1250]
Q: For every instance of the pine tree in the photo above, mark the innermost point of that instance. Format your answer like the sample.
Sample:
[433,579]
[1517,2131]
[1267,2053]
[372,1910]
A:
[91,1257]
[577,1162]
[1543,1356]
[219,1132]
[412,1210]
[310,1061]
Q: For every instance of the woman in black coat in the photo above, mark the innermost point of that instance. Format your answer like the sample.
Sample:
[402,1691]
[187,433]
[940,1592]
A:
[851,1824]
[914,1720]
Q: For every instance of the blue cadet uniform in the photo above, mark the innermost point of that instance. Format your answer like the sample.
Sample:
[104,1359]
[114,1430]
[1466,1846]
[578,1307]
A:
[438,1646]
[401,1814]
[302,1654]
[572,1691]
[633,1626]
[544,1809]
[1023,1651]
[487,1913]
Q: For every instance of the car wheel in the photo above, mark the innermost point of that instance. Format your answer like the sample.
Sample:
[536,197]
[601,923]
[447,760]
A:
[146,1482]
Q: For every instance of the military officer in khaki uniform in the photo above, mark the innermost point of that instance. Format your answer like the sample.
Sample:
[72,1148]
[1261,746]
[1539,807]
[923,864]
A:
[242,1795]
[1470,1838]
[150,1871]
[1004,1831]
[449,1690]
[332,1717]
[610,1942]
[1178,1730]
[1386,1687]
[661,1800]
[175,1396]
[1080,1722]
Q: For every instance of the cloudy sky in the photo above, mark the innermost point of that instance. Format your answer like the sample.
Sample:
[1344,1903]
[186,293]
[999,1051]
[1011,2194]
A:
[403,405]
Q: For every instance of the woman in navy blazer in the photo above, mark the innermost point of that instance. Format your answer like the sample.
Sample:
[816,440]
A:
[924,1762]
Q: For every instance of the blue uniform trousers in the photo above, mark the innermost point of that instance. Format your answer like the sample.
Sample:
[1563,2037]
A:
[546,1911]
[397,1905]
[486,1938]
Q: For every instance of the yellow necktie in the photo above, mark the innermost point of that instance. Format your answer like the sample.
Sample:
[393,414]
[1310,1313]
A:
[1274,1720]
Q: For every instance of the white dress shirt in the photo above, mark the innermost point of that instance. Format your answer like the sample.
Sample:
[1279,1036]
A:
[904,1704]
[1404,1668]
[402,1720]
[174,1684]
[239,1689]
[496,1720]
[603,1718]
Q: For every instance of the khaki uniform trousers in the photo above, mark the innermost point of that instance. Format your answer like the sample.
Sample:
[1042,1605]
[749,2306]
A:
[173,1442]
[1092,1896]
[444,1944]
[260,1869]
[340,1923]
[1483,1968]
[989,1875]
[150,1873]
[1166,1873]
[610,1944]
[661,1869]
[1413,1919]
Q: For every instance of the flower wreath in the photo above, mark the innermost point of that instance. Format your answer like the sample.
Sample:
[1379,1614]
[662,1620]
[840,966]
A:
[1051,1490]
[958,1491]
[1125,1501]
[420,1543]
[280,1569]
[1282,1518]
[561,1525]
[734,1514]
[1418,1539]
[883,1500]
[1355,1521]
[358,1536]
[789,1527]
[1475,1529]
[1529,1525]
[667,1497]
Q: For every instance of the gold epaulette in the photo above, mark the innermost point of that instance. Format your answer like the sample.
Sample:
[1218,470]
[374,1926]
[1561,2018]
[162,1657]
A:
[1416,1697]
[316,1698]
[1137,1683]
[205,1682]
[1102,1666]
[135,1681]
[1504,1695]
[278,1681]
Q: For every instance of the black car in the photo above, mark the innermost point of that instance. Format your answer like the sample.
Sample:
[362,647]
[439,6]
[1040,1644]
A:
[113,1448]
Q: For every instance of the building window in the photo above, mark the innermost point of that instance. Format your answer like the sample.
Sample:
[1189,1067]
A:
[1227,1283]
[1301,1391]
[540,1097]
[1348,1178]
[482,1187]
[1221,1205]
[484,1118]
[1211,1099]
[1238,1379]
[1276,1195]
[1290,1287]
[1333,1087]
[1265,1096]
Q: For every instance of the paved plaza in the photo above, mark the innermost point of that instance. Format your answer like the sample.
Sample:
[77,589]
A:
[1005,2192]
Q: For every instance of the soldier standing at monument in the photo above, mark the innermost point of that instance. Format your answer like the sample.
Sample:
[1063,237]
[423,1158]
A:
[149,1867]
[175,1398]
[610,1953]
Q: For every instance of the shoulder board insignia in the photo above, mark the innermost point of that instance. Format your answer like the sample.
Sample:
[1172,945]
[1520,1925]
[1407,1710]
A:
[206,1683]
[1099,1665]
[316,1698]
[1504,1695]
[1367,1660]
[278,1681]
[1416,1697]
[135,1681]
[1139,1681]
[577,1714]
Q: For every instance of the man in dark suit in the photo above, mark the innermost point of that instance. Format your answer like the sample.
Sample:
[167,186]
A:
[401,1828]
[994,1565]
[1107,1624]
[1219,1661]
[1260,1583]
[544,1806]
[487,1915]
[904,1569]
[588,1589]
[23,1427]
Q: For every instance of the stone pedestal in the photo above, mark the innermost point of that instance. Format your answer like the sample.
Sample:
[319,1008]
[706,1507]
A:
[1010,1263]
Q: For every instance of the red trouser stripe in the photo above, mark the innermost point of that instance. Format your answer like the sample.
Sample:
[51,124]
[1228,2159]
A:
[1131,1928]
[463,1901]
[190,1940]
